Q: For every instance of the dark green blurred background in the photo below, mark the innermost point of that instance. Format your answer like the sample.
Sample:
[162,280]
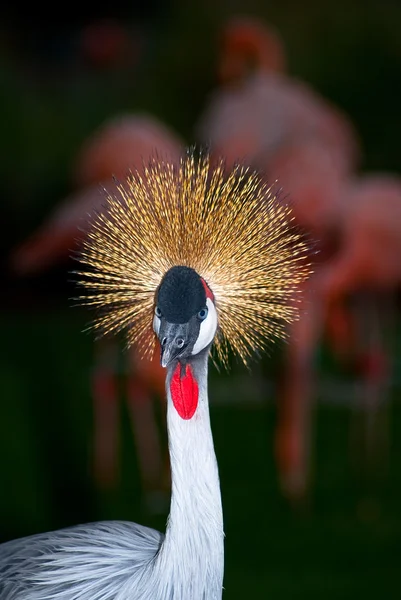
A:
[347,543]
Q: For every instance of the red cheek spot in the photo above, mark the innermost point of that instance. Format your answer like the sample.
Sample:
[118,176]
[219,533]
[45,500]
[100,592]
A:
[209,293]
[184,391]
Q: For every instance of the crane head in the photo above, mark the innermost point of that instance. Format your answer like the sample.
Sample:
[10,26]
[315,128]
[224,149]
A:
[185,317]
[178,245]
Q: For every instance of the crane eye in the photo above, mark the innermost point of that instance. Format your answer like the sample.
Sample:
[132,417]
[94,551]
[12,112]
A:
[202,314]
[158,312]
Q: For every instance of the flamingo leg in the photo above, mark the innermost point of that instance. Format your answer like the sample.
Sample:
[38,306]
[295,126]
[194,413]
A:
[374,315]
[295,403]
[148,442]
[106,414]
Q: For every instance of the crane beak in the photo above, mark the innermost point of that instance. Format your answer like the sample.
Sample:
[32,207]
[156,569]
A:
[173,341]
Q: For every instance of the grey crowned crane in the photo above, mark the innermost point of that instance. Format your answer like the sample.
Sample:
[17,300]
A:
[198,256]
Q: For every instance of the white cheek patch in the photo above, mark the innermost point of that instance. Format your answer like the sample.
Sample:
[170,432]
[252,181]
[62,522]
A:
[156,324]
[207,329]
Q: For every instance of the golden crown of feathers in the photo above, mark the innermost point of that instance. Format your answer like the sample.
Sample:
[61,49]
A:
[233,229]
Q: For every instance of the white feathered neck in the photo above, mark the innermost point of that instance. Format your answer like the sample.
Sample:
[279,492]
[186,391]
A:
[192,555]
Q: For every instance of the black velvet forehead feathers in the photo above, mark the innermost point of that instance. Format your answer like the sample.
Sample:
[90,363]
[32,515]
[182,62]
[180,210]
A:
[180,295]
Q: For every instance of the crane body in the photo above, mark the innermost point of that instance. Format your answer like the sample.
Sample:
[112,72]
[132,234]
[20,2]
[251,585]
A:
[215,260]
[115,560]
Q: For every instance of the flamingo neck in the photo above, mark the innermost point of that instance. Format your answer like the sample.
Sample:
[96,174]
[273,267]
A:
[192,554]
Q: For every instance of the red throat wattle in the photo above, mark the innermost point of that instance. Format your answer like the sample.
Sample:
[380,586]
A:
[184,391]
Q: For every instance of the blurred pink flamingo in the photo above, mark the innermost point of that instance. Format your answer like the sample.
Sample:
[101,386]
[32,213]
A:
[124,143]
[263,117]
[258,110]
[367,270]
[351,301]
